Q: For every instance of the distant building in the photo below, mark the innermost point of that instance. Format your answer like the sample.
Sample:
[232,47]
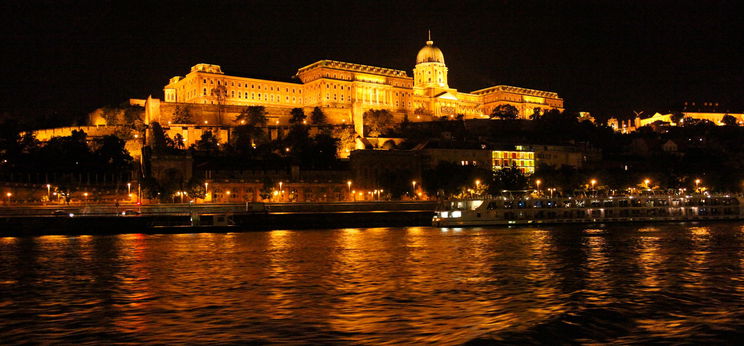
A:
[522,158]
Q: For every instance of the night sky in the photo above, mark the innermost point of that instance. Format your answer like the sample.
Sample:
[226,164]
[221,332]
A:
[607,57]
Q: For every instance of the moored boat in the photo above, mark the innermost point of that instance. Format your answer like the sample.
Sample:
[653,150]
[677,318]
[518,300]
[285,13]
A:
[201,222]
[527,210]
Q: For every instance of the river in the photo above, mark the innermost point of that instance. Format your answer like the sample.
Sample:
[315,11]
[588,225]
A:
[676,282]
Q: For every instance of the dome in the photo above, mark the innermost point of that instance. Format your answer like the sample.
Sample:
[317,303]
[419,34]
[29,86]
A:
[429,53]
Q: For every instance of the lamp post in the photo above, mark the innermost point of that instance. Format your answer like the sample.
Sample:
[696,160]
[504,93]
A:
[413,183]
[348,184]
[281,192]
[593,182]
[206,191]
[8,195]
[49,192]
[477,186]
[697,184]
[129,188]
[537,184]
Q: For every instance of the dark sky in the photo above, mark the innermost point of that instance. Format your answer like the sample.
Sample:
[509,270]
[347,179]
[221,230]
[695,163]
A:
[601,56]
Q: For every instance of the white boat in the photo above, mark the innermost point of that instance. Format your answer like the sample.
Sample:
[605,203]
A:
[527,210]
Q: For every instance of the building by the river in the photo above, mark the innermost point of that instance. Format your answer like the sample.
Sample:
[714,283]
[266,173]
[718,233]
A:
[344,91]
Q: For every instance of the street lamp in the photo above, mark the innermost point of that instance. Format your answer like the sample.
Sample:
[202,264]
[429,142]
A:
[593,182]
[86,197]
[697,184]
[413,183]
[8,195]
[206,191]
[348,183]
[537,184]
[49,192]
[646,182]
[129,188]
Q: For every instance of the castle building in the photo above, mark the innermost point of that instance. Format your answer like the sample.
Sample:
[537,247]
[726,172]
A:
[344,91]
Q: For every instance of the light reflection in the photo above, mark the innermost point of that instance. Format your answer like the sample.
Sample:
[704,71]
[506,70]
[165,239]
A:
[541,252]
[697,258]
[649,261]
[134,283]
[379,285]
[597,267]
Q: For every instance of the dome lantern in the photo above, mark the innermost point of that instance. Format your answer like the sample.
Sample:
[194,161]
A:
[430,53]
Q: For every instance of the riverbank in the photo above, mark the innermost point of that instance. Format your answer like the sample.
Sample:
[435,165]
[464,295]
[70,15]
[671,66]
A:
[112,219]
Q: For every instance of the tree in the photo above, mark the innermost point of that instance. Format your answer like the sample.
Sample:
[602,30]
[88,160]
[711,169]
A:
[207,142]
[28,143]
[182,115]
[450,178]
[317,117]
[729,120]
[178,142]
[505,111]
[158,138]
[298,116]
[508,179]
[133,113]
[111,115]
[346,139]
[253,115]
[396,182]
[377,121]
[113,154]
[676,117]
[536,112]
[195,188]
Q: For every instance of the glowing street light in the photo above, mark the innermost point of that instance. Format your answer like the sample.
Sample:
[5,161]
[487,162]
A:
[413,183]
[8,195]
[537,184]
[697,184]
[646,182]
[593,182]
[206,190]
[49,192]
[129,188]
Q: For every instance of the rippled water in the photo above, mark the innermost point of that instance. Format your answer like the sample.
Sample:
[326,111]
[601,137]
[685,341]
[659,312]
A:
[618,284]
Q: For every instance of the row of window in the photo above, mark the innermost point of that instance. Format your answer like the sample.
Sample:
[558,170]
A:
[252,86]
[509,163]
[257,96]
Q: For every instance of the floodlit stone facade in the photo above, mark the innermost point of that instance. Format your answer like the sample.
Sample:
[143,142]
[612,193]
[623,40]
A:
[344,91]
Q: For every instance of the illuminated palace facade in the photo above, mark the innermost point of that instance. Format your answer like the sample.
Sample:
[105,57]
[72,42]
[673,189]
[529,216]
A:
[344,91]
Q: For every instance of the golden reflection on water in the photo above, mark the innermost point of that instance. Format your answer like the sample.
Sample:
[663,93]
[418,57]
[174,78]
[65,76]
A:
[649,260]
[697,258]
[597,265]
[375,285]
[135,282]
[542,252]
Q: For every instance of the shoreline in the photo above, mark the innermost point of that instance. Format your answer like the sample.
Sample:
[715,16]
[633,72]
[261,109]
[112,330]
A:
[108,219]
